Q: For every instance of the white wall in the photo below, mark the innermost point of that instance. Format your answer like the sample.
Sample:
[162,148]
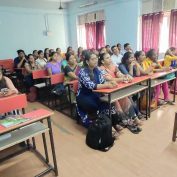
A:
[22,28]
[121,20]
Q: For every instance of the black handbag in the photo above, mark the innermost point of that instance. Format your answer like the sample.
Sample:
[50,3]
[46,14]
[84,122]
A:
[99,135]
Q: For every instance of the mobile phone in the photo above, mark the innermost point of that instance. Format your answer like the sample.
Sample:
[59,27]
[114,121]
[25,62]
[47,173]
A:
[4,90]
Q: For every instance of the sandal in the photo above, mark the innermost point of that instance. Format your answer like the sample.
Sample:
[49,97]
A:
[134,129]
[161,102]
[137,121]
[170,102]
[118,128]
[115,135]
[140,116]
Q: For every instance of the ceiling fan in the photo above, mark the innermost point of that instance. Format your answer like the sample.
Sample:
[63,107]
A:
[60,7]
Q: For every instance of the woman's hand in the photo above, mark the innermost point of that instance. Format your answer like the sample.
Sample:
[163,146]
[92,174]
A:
[114,83]
[133,63]
[8,92]
[111,84]
[1,94]
[129,78]
[120,75]
[150,69]
[166,68]
[154,65]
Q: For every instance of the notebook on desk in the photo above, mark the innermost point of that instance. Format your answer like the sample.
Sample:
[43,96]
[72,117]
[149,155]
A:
[12,120]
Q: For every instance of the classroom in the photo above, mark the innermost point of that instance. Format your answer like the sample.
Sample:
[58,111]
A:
[88,88]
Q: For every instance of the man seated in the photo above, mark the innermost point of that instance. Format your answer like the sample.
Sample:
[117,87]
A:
[127,48]
[19,62]
[116,57]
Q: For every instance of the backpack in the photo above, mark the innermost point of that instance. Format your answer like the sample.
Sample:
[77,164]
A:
[99,135]
[59,89]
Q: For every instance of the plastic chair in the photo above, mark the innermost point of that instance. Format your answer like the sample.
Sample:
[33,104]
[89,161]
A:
[7,64]
[57,79]
[38,77]
[38,74]
[13,102]
[54,80]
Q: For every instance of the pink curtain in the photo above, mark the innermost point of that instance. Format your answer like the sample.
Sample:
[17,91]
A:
[173,29]
[90,29]
[151,25]
[100,40]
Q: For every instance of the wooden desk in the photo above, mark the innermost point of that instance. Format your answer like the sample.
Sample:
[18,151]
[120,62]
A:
[125,89]
[28,130]
[136,80]
[161,74]
[159,78]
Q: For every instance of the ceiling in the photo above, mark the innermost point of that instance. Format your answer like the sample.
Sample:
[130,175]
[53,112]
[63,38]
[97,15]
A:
[37,4]
[43,4]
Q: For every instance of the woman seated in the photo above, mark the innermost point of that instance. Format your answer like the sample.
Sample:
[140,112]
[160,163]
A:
[170,57]
[129,65]
[71,73]
[41,61]
[7,88]
[46,54]
[132,68]
[72,69]
[140,57]
[151,61]
[53,66]
[35,54]
[79,54]
[58,50]
[91,78]
[124,106]
[103,50]
[30,66]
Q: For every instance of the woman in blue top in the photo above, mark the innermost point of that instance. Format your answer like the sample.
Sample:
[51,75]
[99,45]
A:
[129,65]
[91,78]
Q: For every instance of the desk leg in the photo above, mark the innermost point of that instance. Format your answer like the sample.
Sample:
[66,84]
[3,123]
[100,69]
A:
[174,129]
[149,109]
[45,146]
[69,92]
[52,146]
[109,101]
[147,101]
[28,144]
[34,143]
[174,94]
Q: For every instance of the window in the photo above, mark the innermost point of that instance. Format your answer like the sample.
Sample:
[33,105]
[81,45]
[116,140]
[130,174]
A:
[81,36]
[164,35]
[91,30]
